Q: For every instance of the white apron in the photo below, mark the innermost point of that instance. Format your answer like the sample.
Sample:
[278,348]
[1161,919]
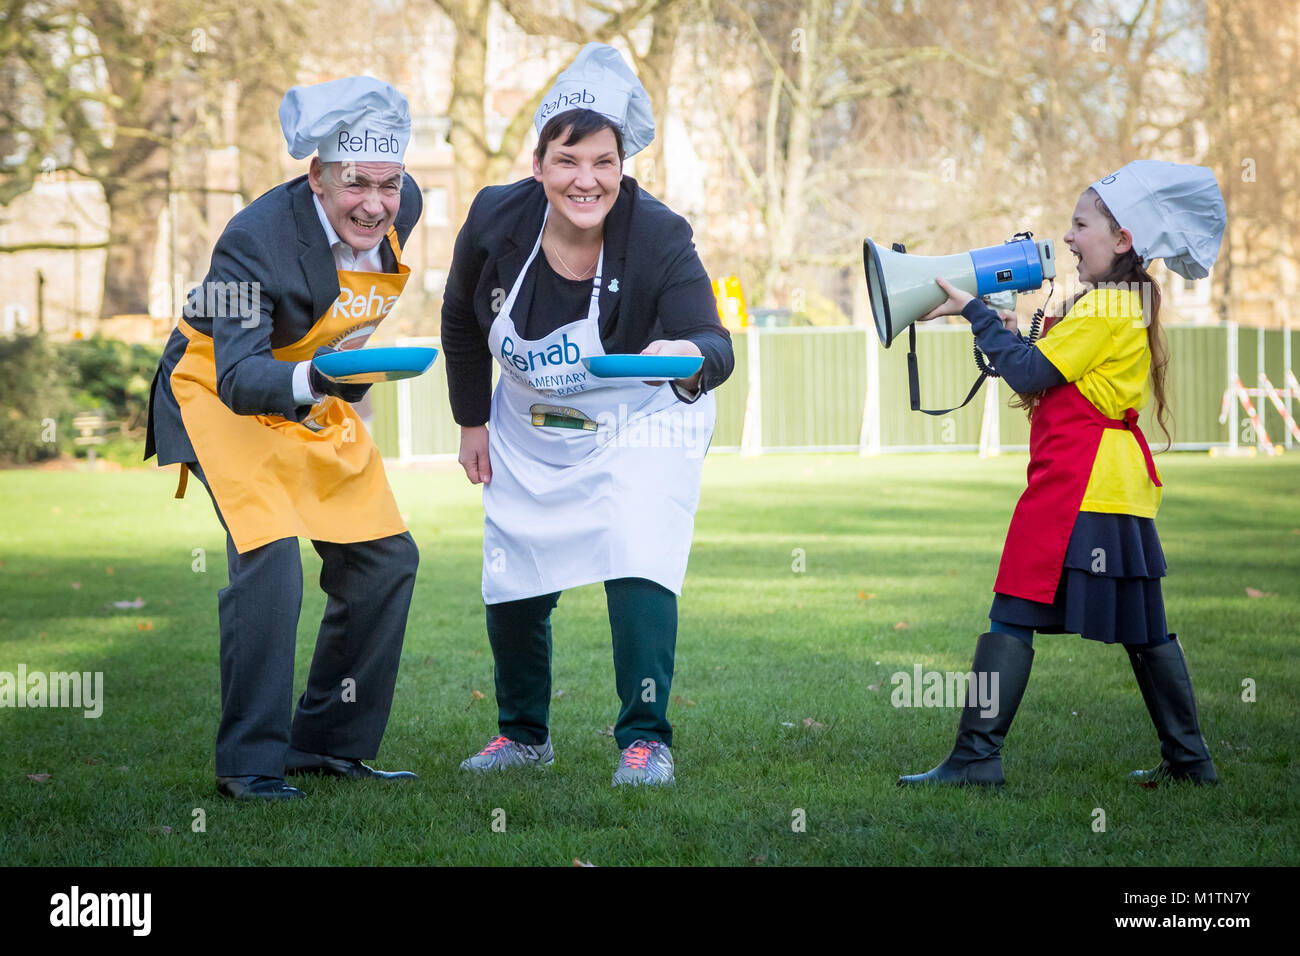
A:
[613,494]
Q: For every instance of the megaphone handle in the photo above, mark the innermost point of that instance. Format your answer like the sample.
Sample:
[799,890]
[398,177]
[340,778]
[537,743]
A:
[913,376]
[914,380]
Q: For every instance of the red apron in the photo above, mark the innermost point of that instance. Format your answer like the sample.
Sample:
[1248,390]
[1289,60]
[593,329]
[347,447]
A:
[1063,441]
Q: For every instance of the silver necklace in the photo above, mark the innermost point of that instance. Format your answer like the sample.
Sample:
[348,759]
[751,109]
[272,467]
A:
[586,273]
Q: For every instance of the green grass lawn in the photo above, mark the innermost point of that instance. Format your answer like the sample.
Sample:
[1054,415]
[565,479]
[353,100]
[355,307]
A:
[781,700]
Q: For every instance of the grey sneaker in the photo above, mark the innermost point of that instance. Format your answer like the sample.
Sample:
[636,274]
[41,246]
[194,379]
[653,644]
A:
[648,762]
[502,752]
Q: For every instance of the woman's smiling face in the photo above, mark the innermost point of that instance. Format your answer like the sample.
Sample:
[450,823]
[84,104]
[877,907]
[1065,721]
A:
[581,181]
[1091,239]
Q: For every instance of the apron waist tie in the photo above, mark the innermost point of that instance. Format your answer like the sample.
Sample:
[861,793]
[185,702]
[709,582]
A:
[1130,422]
[183,482]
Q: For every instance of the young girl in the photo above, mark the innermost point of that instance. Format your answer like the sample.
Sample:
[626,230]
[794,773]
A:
[1082,555]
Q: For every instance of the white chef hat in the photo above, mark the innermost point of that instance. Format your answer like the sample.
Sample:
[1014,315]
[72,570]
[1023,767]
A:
[1174,211]
[356,119]
[600,80]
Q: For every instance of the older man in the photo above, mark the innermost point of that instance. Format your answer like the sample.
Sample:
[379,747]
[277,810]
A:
[312,266]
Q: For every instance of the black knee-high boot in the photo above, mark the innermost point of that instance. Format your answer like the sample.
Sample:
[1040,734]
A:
[976,758]
[1166,687]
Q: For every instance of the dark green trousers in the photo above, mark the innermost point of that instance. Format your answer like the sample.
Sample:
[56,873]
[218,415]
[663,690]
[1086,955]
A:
[643,624]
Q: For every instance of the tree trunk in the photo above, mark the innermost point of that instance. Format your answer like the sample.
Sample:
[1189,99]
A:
[133,210]
[468,134]
[655,69]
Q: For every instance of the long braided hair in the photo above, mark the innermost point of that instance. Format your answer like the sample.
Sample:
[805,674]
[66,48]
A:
[1127,268]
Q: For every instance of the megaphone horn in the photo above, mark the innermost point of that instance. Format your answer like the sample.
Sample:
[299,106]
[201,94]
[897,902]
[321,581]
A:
[902,287]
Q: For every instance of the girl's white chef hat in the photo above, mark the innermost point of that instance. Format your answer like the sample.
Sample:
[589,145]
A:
[600,80]
[356,119]
[1174,212]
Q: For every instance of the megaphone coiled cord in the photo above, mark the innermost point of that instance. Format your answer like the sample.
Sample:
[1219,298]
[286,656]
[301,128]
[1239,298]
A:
[1035,326]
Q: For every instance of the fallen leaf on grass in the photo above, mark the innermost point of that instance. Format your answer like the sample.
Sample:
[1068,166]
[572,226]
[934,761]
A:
[161,830]
[38,777]
[108,570]
[901,626]
[89,760]
[578,862]
[137,603]
[864,596]
[1256,593]
[144,625]
[560,693]
[809,722]
[873,687]
[76,585]
[607,732]
[758,860]
[681,702]
[477,695]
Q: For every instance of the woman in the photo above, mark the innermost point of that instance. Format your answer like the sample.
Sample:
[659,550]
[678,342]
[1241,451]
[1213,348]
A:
[1082,554]
[585,479]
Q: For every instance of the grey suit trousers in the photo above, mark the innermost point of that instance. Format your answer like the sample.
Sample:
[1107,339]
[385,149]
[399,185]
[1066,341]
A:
[344,710]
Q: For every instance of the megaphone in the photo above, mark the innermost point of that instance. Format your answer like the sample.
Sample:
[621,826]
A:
[902,286]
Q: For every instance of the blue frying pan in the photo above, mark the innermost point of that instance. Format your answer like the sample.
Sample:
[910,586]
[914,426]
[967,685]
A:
[650,367]
[363,366]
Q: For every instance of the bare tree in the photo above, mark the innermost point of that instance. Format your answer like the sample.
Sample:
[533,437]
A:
[118,93]
[819,70]
[1253,84]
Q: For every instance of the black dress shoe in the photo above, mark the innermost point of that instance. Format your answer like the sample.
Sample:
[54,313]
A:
[298,762]
[257,788]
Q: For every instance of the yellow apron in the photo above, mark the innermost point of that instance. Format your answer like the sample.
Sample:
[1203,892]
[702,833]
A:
[273,477]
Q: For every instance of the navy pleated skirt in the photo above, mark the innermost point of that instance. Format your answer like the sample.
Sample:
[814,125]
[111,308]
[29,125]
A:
[1110,585]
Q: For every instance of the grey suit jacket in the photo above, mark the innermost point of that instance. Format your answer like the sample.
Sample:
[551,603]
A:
[272,276]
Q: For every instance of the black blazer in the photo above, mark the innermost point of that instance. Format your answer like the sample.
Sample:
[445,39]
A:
[662,290]
[278,243]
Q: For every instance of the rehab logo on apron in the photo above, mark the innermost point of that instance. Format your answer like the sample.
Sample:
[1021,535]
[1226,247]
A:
[557,367]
